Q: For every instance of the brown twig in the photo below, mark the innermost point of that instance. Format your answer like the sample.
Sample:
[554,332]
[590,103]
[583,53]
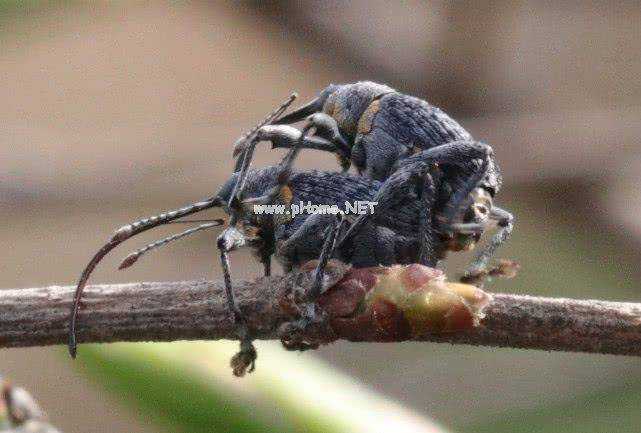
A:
[168,311]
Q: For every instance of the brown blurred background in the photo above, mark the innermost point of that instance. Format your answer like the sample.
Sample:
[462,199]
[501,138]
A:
[112,111]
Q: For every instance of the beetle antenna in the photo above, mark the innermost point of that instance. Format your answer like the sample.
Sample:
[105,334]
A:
[121,235]
[133,257]
[210,220]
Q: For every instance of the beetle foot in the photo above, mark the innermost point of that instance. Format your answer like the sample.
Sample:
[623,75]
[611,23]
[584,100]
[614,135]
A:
[306,333]
[477,275]
[294,338]
[245,360]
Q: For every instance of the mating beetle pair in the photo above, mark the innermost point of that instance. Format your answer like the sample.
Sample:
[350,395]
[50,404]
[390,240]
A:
[433,183]
[381,132]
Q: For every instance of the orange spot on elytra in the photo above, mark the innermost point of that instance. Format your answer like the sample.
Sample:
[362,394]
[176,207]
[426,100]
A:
[367,119]
[286,194]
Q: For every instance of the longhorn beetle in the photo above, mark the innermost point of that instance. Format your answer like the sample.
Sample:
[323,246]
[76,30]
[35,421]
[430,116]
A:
[407,227]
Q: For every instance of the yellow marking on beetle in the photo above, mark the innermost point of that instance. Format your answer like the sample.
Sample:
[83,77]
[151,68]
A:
[251,232]
[366,120]
[343,119]
[330,106]
[286,194]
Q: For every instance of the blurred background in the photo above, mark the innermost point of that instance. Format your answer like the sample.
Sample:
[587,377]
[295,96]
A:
[116,110]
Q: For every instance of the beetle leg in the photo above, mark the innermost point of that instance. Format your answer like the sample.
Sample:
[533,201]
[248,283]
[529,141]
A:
[415,179]
[327,138]
[244,361]
[293,333]
[427,195]
[329,248]
[327,127]
[284,137]
[477,271]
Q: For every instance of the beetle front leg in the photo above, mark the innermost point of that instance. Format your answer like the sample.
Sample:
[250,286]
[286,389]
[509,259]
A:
[245,360]
[477,271]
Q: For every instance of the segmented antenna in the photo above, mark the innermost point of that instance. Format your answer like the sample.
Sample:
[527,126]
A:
[133,257]
[239,145]
[121,235]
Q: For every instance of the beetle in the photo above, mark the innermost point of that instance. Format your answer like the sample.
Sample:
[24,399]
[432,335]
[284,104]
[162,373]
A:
[376,128]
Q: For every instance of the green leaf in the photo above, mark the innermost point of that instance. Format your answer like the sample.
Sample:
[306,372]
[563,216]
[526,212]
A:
[189,387]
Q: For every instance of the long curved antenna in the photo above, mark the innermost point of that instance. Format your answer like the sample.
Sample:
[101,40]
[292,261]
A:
[208,220]
[239,145]
[133,257]
[121,235]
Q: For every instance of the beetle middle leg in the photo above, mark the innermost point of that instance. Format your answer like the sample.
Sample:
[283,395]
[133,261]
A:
[292,333]
[371,241]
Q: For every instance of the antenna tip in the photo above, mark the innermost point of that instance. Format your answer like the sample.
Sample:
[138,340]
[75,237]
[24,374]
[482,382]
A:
[129,260]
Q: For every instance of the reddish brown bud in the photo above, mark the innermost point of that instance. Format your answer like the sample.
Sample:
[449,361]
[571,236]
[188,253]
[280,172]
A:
[416,276]
[389,321]
[400,302]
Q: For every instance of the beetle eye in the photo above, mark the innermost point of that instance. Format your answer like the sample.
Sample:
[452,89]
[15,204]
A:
[481,209]
[480,212]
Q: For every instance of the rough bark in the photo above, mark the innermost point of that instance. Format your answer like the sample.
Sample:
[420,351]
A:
[167,311]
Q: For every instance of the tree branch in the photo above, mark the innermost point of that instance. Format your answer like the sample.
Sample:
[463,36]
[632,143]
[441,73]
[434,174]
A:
[364,306]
